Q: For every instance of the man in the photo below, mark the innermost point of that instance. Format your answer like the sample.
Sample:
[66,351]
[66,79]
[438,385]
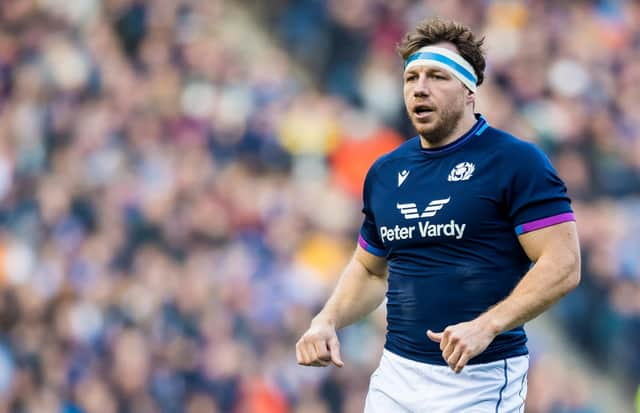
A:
[453,220]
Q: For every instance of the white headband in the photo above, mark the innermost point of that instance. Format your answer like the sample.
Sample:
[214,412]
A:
[444,59]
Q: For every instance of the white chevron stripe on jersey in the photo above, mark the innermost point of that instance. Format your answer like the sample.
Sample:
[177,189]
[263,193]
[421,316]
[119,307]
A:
[410,210]
[434,206]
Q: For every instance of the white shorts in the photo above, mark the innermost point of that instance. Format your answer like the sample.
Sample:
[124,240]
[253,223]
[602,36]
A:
[401,385]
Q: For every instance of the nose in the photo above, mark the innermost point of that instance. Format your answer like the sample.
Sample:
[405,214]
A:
[422,86]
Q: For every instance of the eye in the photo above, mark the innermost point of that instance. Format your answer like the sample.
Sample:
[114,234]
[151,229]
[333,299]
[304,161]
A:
[411,78]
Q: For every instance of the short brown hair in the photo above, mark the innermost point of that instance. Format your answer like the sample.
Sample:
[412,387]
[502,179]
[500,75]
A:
[436,30]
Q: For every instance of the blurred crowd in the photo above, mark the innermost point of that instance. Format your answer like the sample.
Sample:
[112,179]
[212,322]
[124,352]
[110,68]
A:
[178,192]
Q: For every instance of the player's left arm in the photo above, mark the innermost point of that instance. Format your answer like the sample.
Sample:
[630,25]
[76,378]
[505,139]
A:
[556,254]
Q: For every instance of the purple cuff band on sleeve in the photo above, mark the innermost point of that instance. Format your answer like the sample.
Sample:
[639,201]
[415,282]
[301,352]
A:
[369,248]
[544,222]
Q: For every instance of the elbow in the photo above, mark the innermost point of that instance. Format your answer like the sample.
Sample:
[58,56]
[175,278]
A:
[573,279]
[572,271]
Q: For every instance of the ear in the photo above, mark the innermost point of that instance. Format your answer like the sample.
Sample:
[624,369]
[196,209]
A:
[471,96]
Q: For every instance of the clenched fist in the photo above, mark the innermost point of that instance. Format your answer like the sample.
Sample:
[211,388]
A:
[319,346]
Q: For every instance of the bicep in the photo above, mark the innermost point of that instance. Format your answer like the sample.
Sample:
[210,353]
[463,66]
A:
[374,264]
[559,241]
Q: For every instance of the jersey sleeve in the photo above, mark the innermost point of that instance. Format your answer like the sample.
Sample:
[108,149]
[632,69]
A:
[536,196]
[369,239]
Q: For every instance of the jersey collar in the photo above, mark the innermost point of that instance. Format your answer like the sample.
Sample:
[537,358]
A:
[479,127]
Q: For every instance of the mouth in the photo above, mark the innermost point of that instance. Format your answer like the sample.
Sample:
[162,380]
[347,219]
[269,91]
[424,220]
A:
[423,111]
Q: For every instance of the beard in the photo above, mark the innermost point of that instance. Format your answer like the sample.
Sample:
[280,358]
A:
[445,124]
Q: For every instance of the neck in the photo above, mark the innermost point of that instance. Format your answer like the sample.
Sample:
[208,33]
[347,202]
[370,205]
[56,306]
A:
[466,122]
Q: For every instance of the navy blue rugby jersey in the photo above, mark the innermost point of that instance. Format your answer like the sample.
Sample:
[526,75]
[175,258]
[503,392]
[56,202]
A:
[447,221]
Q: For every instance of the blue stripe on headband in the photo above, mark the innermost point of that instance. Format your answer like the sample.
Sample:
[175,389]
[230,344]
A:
[443,59]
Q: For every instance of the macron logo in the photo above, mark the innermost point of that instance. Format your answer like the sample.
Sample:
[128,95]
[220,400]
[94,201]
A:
[402,176]
[410,210]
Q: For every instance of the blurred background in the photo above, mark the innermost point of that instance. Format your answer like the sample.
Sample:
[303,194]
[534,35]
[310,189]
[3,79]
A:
[180,187]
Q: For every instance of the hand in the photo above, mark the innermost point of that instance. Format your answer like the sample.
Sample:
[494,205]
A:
[319,346]
[463,341]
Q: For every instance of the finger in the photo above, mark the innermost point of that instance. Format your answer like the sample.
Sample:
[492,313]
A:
[334,348]
[448,350]
[308,352]
[445,340]
[464,359]
[454,357]
[322,349]
[437,337]
[304,356]
[449,343]
[299,358]
[312,353]
[320,363]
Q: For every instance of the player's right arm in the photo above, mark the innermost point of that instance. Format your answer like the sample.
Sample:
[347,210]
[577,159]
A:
[359,291]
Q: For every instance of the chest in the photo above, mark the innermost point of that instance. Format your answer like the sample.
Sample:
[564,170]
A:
[442,201]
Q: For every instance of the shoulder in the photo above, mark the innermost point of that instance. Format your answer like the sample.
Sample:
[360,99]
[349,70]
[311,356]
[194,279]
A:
[382,172]
[399,154]
[513,150]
